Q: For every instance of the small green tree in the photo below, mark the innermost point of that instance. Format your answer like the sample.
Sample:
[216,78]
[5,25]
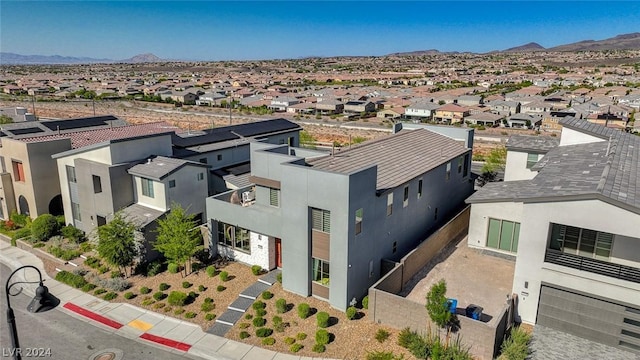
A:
[178,239]
[494,162]
[437,305]
[116,242]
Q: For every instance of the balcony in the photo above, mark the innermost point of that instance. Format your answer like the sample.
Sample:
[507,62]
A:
[600,267]
[245,196]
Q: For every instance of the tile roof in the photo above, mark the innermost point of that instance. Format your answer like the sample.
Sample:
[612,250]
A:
[533,143]
[607,170]
[160,167]
[89,137]
[400,157]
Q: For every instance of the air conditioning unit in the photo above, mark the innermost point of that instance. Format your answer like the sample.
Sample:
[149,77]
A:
[248,196]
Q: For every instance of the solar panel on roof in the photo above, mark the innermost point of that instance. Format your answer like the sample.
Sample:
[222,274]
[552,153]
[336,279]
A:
[263,127]
[24,131]
[209,138]
[77,123]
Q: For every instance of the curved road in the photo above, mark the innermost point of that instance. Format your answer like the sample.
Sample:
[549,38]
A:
[67,337]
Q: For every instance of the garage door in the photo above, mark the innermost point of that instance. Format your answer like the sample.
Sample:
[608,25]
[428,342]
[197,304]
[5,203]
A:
[597,319]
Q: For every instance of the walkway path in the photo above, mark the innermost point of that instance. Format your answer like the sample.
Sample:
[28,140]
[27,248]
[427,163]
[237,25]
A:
[136,323]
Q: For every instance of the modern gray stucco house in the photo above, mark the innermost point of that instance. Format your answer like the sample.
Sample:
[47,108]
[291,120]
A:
[330,221]
[572,222]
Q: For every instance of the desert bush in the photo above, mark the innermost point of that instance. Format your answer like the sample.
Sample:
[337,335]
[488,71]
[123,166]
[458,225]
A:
[44,227]
[178,311]
[202,288]
[248,316]
[259,321]
[224,276]
[173,268]
[318,348]
[186,284]
[144,290]
[190,315]
[267,295]
[210,317]
[322,319]
[159,305]
[110,296]
[99,292]
[256,269]
[289,340]
[281,306]
[177,298]
[382,335]
[147,301]
[322,337]
[244,335]
[264,332]
[220,288]
[207,306]
[279,277]
[365,302]
[516,347]
[301,336]
[304,310]
[71,279]
[73,233]
[103,269]
[159,295]
[294,348]
[19,219]
[413,342]
[163,286]
[129,295]
[268,341]
[261,312]
[244,325]
[88,287]
[116,274]
[154,268]
[351,312]
[21,233]
[39,245]
[64,253]
[92,262]
[258,305]
[383,355]
[211,271]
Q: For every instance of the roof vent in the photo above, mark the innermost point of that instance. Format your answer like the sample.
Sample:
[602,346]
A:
[149,161]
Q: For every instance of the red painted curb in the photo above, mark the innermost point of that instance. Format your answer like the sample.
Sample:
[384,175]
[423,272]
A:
[93,316]
[166,342]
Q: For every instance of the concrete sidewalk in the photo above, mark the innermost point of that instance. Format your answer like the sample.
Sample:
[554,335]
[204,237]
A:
[132,322]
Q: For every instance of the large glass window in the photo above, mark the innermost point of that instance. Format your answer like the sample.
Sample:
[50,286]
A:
[583,242]
[503,235]
[97,184]
[321,272]
[532,159]
[321,220]
[147,187]
[234,237]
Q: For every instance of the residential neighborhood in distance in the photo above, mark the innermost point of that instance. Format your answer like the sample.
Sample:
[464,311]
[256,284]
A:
[354,184]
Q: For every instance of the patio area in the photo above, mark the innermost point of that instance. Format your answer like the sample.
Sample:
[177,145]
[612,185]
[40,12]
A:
[473,276]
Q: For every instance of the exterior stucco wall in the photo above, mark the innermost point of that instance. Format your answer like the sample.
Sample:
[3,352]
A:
[259,254]
[479,220]
[534,234]
[516,166]
[158,201]
[140,148]
[572,137]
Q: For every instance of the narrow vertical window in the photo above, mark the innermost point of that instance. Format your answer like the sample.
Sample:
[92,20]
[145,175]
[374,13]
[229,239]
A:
[147,187]
[390,204]
[448,176]
[460,164]
[359,213]
[172,183]
[200,176]
[18,171]
[71,174]
[419,188]
[405,199]
[97,184]
[465,171]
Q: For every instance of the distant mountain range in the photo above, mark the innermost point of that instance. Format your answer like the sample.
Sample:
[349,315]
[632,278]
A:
[532,46]
[17,59]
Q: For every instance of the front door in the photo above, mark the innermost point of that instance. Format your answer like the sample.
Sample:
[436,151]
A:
[278,253]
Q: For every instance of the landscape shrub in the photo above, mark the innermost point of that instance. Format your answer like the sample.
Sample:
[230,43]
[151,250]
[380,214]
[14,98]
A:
[207,306]
[279,277]
[267,295]
[177,298]
[261,312]
[268,341]
[516,347]
[301,336]
[79,271]
[103,269]
[39,245]
[258,305]
[21,233]
[144,290]
[304,310]
[173,268]
[323,319]
[281,306]
[167,309]
[110,296]
[190,315]
[248,316]
[19,219]
[159,295]
[322,337]
[129,295]
[256,269]
[178,311]
[116,274]
[382,335]
[289,340]
[44,227]
[244,335]
[73,233]
[88,287]
[294,348]
[224,276]
[365,302]
[259,321]
[220,288]
[318,348]
[415,343]
[202,288]
[147,301]
[154,268]
[186,284]
[66,277]
[92,262]
[117,284]
[383,355]
[163,286]
[211,270]
[351,312]
[193,295]
[63,253]
[100,291]
[244,325]
[264,332]
[210,317]
[159,305]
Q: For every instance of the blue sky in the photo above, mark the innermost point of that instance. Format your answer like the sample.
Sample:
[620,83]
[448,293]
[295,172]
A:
[242,30]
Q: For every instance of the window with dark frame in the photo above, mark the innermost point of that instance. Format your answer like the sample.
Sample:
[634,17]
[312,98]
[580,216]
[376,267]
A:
[321,220]
[419,188]
[405,199]
[389,204]
[320,274]
[147,187]
[172,183]
[18,171]
[359,214]
[97,184]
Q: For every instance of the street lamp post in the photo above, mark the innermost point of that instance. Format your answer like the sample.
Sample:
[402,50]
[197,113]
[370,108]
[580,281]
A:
[42,301]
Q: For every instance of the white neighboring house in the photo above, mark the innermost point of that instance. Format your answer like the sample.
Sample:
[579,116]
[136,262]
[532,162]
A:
[573,229]
[523,153]
[421,111]
[281,103]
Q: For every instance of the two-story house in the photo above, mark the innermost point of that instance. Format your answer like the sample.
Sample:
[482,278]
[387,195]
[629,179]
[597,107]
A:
[330,221]
[572,226]
[422,111]
[450,114]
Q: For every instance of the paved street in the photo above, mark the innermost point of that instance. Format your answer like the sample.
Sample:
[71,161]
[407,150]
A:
[67,337]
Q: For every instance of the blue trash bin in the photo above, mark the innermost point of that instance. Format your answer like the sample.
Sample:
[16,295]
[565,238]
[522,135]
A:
[453,305]
[474,311]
